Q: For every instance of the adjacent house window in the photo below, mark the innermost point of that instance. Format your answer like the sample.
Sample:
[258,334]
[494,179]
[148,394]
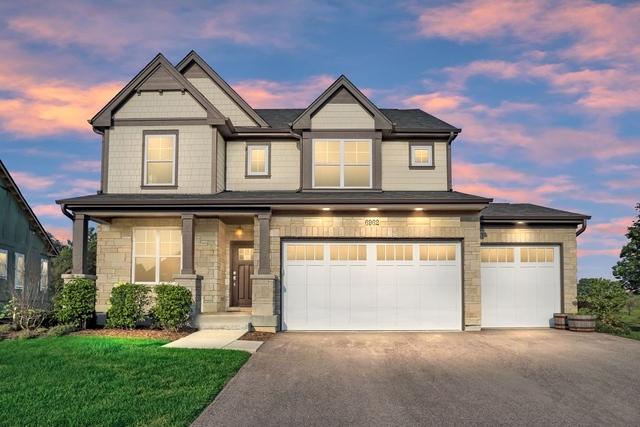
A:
[18,281]
[421,155]
[258,160]
[44,274]
[157,254]
[160,158]
[4,263]
[342,163]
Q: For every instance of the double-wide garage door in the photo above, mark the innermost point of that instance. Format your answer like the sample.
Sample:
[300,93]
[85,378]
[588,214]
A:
[372,286]
[520,285]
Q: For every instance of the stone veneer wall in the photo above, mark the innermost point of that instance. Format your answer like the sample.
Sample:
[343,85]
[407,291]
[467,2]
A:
[566,236]
[466,227]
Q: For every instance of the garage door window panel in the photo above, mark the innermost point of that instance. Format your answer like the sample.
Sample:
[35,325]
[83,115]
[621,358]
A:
[439,252]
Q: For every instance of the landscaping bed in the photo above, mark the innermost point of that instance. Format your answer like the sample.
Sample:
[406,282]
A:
[137,333]
[105,381]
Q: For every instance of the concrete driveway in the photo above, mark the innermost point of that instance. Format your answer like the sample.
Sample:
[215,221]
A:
[532,377]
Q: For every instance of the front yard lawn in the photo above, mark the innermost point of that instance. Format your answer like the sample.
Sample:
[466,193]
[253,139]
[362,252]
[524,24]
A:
[105,381]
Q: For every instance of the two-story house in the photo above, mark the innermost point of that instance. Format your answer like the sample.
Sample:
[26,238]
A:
[338,216]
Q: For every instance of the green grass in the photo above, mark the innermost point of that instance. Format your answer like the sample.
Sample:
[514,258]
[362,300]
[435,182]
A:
[103,381]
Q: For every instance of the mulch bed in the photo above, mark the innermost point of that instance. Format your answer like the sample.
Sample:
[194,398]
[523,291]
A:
[256,336]
[136,333]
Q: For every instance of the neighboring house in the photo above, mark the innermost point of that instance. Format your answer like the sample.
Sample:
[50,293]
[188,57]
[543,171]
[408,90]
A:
[338,216]
[25,246]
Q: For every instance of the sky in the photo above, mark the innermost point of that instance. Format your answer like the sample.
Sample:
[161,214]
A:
[547,93]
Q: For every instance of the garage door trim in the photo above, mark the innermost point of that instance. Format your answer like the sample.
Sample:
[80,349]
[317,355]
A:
[289,239]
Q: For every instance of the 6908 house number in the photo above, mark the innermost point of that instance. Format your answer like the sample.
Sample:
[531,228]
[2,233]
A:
[372,221]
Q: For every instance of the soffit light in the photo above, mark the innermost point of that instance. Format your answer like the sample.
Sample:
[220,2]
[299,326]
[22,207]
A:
[373,209]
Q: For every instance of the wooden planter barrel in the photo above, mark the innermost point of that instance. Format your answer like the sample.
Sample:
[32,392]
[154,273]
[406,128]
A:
[582,322]
[560,321]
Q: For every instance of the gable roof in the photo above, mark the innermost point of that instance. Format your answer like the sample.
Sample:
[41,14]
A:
[303,121]
[193,58]
[22,202]
[156,75]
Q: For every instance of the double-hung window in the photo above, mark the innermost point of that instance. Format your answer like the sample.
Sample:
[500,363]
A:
[160,150]
[44,274]
[258,160]
[18,279]
[157,254]
[4,263]
[342,163]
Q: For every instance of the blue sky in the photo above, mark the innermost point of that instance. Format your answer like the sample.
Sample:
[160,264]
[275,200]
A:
[547,92]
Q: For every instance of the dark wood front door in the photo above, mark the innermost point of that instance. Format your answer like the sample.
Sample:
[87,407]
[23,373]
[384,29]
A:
[241,271]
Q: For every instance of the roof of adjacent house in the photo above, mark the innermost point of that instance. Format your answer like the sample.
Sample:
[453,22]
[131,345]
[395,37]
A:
[409,119]
[31,216]
[524,211]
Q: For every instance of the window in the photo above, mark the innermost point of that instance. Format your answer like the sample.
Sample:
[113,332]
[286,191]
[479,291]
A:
[18,281]
[160,158]
[394,252]
[495,255]
[4,262]
[348,252]
[157,254]
[342,163]
[421,156]
[245,254]
[536,254]
[44,274]
[258,160]
[437,252]
[305,252]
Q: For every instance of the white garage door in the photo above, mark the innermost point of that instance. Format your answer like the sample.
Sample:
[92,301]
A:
[371,286]
[520,285]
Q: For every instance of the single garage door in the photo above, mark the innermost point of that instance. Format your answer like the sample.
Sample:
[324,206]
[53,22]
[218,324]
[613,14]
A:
[520,285]
[371,286]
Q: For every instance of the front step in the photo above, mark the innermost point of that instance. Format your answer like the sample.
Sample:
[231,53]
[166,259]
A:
[224,320]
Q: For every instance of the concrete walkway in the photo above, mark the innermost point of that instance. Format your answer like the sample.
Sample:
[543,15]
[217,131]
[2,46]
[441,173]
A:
[216,338]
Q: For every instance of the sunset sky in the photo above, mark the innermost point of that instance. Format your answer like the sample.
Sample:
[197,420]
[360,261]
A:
[547,93]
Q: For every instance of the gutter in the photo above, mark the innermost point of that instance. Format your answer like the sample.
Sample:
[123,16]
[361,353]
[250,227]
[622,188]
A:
[583,228]
[66,213]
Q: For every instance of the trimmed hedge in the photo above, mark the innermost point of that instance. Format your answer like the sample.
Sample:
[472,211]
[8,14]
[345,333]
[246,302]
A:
[75,303]
[128,303]
[172,307]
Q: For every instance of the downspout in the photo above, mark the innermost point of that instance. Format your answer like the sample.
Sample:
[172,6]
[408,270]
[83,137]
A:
[101,133]
[582,228]
[452,136]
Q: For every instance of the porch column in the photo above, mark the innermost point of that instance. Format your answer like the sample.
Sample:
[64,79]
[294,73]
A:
[187,244]
[79,251]
[264,259]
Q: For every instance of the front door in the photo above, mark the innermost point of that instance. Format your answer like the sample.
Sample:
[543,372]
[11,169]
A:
[241,271]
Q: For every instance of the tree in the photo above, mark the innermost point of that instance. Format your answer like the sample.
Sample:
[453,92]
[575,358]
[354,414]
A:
[603,297]
[627,270]
[63,262]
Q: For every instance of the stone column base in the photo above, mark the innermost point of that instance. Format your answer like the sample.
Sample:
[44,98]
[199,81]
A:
[263,302]
[193,282]
[66,278]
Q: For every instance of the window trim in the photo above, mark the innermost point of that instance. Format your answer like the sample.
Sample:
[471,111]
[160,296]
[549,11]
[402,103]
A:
[157,255]
[6,274]
[247,169]
[420,144]
[44,286]
[174,181]
[16,256]
[341,164]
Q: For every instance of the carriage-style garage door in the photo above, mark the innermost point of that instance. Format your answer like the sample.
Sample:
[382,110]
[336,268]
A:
[371,285]
[520,285]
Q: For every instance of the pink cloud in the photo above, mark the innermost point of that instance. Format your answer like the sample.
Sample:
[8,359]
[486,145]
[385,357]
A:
[32,182]
[598,252]
[52,211]
[465,172]
[273,94]
[83,166]
[616,226]
[63,234]
[78,186]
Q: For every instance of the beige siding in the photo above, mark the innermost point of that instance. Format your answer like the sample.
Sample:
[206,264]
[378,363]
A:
[563,235]
[285,168]
[222,101]
[342,116]
[153,105]
[396,174]
[194,159]
[220,163]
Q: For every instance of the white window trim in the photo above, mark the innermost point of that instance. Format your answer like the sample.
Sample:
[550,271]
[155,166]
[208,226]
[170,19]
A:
[133,253]
[6,267]
[16,256]
[267,158]
[413,149]
[44,285]
[173,162]
[341,165]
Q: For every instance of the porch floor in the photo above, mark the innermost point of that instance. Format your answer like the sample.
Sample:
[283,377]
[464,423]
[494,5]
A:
[233,320]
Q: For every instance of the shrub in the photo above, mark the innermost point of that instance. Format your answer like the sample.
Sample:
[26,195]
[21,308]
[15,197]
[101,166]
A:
[76,302]
[6,328]
[26,334]
[172,307]
[622,329]
[60,330]
[128,302]
[24,315]
[604,298]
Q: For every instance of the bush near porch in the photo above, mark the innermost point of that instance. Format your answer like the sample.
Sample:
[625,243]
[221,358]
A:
[104,381]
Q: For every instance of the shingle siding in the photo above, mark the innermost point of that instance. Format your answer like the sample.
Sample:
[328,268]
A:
[222,101]
[396,174]
[285,168]
[168,105]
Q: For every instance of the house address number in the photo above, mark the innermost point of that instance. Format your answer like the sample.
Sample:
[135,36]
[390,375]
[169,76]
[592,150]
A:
[372,221]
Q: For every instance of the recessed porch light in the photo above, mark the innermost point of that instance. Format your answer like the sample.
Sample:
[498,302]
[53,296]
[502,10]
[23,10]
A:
[418,209]
[326,209]
[520,222]
[373,209]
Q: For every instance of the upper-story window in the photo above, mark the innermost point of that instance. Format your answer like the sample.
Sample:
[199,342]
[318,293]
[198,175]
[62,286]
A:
[160,153]
[258,159]
[342,163]
[421,155]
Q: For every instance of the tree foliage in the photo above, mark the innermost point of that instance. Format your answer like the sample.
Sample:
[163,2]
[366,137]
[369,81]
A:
[63,262]
[602,297]
[627,270]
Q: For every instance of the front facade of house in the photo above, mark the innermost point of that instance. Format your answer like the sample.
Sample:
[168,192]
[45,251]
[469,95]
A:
[25,247]
[338,216]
